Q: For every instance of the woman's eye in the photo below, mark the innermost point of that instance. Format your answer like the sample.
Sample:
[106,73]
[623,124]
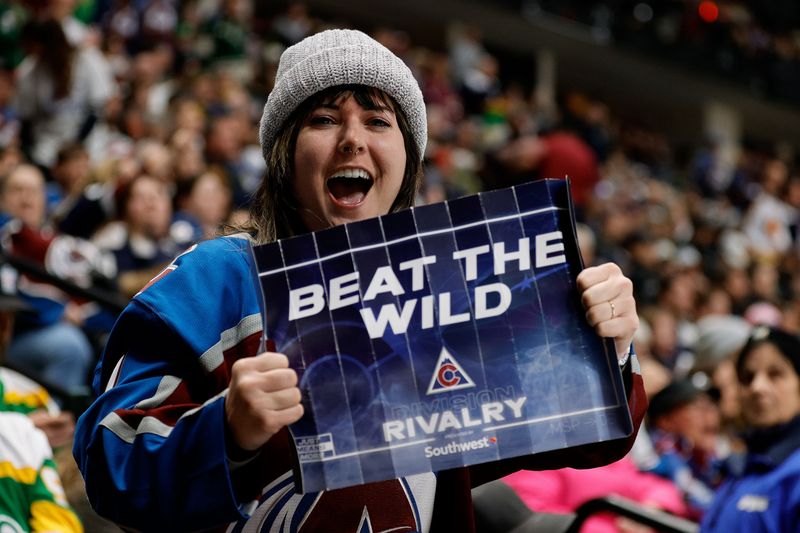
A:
[321,120]
[380,122]
[775,374]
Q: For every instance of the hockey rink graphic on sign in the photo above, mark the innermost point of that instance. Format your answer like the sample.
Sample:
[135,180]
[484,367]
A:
[439,336]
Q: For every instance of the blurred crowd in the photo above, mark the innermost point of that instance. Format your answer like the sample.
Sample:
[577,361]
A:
[755,44]
[128,130]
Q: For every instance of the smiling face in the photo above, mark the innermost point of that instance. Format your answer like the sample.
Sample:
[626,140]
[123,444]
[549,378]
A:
[769,387]
[349,162]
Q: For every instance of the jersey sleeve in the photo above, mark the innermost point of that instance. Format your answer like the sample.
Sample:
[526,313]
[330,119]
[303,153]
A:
[152,446]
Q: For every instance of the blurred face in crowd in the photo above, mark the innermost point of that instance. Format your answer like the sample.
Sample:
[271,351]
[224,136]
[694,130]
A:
[23,195]
[698,421]
[737,284]
[71,172]
[61,8]
[724,379]
[149,207]
[210,199]
[793,192]
[681,295]
[769,387]
[765,280]
[156,160]
[224,139]
[349,162]
[774,176]
[190,116]
[665,335]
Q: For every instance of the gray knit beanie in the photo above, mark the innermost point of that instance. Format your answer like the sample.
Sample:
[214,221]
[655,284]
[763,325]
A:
[340,57]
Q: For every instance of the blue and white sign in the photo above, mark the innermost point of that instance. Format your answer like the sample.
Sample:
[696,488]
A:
[440,336]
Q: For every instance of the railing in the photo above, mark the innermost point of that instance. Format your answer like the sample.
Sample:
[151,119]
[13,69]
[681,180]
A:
[498,509]
[653,518]
[111,301]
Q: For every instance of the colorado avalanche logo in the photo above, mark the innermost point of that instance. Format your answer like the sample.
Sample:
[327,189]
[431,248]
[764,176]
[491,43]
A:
[448,375]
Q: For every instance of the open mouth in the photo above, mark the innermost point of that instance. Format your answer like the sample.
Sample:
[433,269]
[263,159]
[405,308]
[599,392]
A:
[349,187]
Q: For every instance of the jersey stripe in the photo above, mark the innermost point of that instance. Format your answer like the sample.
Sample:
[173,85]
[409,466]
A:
[214,356]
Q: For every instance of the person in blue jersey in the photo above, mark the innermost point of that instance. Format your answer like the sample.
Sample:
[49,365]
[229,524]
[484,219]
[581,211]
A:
[762,493]
[189,431]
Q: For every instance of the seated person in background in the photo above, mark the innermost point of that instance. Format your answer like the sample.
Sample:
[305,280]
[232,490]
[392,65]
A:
[684,425]
[31,494]
[204,204]
[20,393]
[763,495]
[142,241]
[85,213]
[48,344]
[25,396]
[70,175]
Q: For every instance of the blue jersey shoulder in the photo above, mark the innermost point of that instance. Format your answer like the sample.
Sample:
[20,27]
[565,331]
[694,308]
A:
[207,290]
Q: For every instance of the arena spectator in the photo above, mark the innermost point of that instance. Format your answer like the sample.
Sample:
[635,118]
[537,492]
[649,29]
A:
[47,343]
[684,426]
[142,240]
[61,90]
[71,174]
[760,495]
[204,204]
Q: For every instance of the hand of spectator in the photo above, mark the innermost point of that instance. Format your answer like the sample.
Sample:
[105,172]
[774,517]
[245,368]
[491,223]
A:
[262,398]
[607,296]
[58,428]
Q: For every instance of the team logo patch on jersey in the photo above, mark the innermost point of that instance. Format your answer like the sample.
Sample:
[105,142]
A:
[753,503]
[169,268]
[448,375]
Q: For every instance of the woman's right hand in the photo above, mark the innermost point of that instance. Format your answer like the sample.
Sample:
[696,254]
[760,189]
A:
[262,398]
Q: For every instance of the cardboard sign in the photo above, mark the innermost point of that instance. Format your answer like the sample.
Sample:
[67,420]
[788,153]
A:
[440,336]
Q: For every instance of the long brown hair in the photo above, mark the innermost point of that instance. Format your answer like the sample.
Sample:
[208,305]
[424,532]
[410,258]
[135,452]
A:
[274,212]
[54,53]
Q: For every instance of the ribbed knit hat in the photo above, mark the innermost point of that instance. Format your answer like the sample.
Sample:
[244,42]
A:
[340,57]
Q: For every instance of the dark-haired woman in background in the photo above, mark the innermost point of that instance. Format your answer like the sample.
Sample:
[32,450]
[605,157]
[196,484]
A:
[764,496]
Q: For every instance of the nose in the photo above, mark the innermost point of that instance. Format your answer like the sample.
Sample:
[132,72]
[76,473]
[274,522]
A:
[352,138]
[760,382]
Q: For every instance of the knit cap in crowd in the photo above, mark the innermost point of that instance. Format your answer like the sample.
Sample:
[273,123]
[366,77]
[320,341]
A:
[340,57]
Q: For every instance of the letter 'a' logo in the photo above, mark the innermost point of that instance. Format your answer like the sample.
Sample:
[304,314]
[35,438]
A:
[448,375]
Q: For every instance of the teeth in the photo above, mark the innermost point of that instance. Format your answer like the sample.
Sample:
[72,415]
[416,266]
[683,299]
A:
[352,173]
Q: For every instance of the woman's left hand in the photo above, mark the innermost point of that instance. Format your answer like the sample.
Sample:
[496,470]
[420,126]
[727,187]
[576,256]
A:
[607,296]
